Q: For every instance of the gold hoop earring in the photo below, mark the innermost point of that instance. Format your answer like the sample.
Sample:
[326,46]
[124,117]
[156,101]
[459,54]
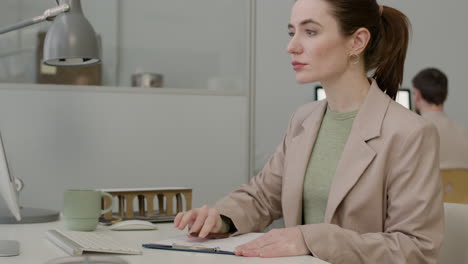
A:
[354,59]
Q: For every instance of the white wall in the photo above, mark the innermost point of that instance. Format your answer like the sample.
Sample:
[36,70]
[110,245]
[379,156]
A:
[59,137]
[439,39]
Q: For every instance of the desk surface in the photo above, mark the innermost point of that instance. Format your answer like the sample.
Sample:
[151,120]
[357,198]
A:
[35,248]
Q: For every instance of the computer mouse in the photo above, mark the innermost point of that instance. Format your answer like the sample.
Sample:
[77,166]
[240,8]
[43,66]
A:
[132,225]
[88,259]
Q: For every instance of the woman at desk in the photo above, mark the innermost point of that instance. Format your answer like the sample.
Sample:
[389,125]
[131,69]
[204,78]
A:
[356,177]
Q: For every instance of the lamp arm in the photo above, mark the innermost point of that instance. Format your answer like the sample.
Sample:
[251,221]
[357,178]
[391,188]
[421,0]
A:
[48,15]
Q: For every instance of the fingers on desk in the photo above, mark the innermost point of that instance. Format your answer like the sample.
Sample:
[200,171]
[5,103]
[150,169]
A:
[190,217]
[212,223]
[202,220]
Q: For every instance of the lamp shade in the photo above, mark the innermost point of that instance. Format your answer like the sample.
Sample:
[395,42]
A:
[71,40]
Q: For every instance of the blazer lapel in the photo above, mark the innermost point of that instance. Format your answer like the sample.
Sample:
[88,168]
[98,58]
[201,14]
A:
[300,150]
[357,154]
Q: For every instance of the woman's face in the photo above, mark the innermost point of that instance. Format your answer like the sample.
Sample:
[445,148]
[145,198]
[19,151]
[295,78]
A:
[318,49]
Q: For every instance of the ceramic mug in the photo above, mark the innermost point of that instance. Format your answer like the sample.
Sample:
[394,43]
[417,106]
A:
[82,209]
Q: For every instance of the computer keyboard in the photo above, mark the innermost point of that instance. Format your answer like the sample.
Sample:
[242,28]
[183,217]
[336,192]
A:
[75,243]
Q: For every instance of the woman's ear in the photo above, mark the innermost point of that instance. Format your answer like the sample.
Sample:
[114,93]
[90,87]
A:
[359,41]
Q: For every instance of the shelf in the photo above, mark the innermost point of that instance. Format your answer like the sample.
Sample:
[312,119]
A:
[111,89]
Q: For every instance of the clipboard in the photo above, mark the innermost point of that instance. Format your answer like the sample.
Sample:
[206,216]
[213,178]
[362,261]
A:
[225,246]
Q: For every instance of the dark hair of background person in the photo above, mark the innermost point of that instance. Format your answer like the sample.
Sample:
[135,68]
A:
[386,51]
[433,85]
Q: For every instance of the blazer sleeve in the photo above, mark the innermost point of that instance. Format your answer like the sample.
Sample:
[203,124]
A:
[254,206]
[413,228]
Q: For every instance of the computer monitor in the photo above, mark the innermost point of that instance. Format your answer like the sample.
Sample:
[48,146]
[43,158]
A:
[9,190]
[403,96]
[8,184]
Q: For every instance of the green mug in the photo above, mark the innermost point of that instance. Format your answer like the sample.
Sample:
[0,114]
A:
[82,209]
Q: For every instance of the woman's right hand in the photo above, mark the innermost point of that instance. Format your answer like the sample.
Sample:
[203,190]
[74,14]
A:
[202,220]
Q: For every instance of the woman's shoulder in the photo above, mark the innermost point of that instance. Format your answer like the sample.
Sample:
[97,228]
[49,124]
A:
[404,121]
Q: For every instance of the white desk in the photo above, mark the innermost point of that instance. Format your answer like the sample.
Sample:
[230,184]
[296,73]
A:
[36,249]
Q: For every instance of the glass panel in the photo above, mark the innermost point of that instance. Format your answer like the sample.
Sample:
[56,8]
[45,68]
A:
[201,44]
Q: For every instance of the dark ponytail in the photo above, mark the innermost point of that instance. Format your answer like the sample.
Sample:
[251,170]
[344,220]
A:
[386,52]
[388,56]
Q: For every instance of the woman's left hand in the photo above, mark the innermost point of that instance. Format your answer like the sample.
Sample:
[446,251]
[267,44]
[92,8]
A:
[283,242]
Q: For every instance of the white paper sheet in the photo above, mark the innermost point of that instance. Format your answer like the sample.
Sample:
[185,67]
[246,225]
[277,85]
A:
[224,244]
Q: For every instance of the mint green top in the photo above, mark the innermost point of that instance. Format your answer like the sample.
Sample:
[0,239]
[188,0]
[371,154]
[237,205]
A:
[326,153]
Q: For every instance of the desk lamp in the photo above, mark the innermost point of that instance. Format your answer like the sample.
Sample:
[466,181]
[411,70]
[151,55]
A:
[70,40]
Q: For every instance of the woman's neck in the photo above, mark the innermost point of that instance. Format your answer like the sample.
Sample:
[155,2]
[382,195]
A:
[347,93]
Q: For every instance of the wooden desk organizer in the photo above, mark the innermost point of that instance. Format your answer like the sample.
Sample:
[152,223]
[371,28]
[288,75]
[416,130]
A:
[146,197]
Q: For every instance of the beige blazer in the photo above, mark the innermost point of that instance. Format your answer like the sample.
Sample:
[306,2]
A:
[385,202]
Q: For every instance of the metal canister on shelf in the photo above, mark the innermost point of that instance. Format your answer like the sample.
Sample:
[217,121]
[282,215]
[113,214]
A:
[147,79]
